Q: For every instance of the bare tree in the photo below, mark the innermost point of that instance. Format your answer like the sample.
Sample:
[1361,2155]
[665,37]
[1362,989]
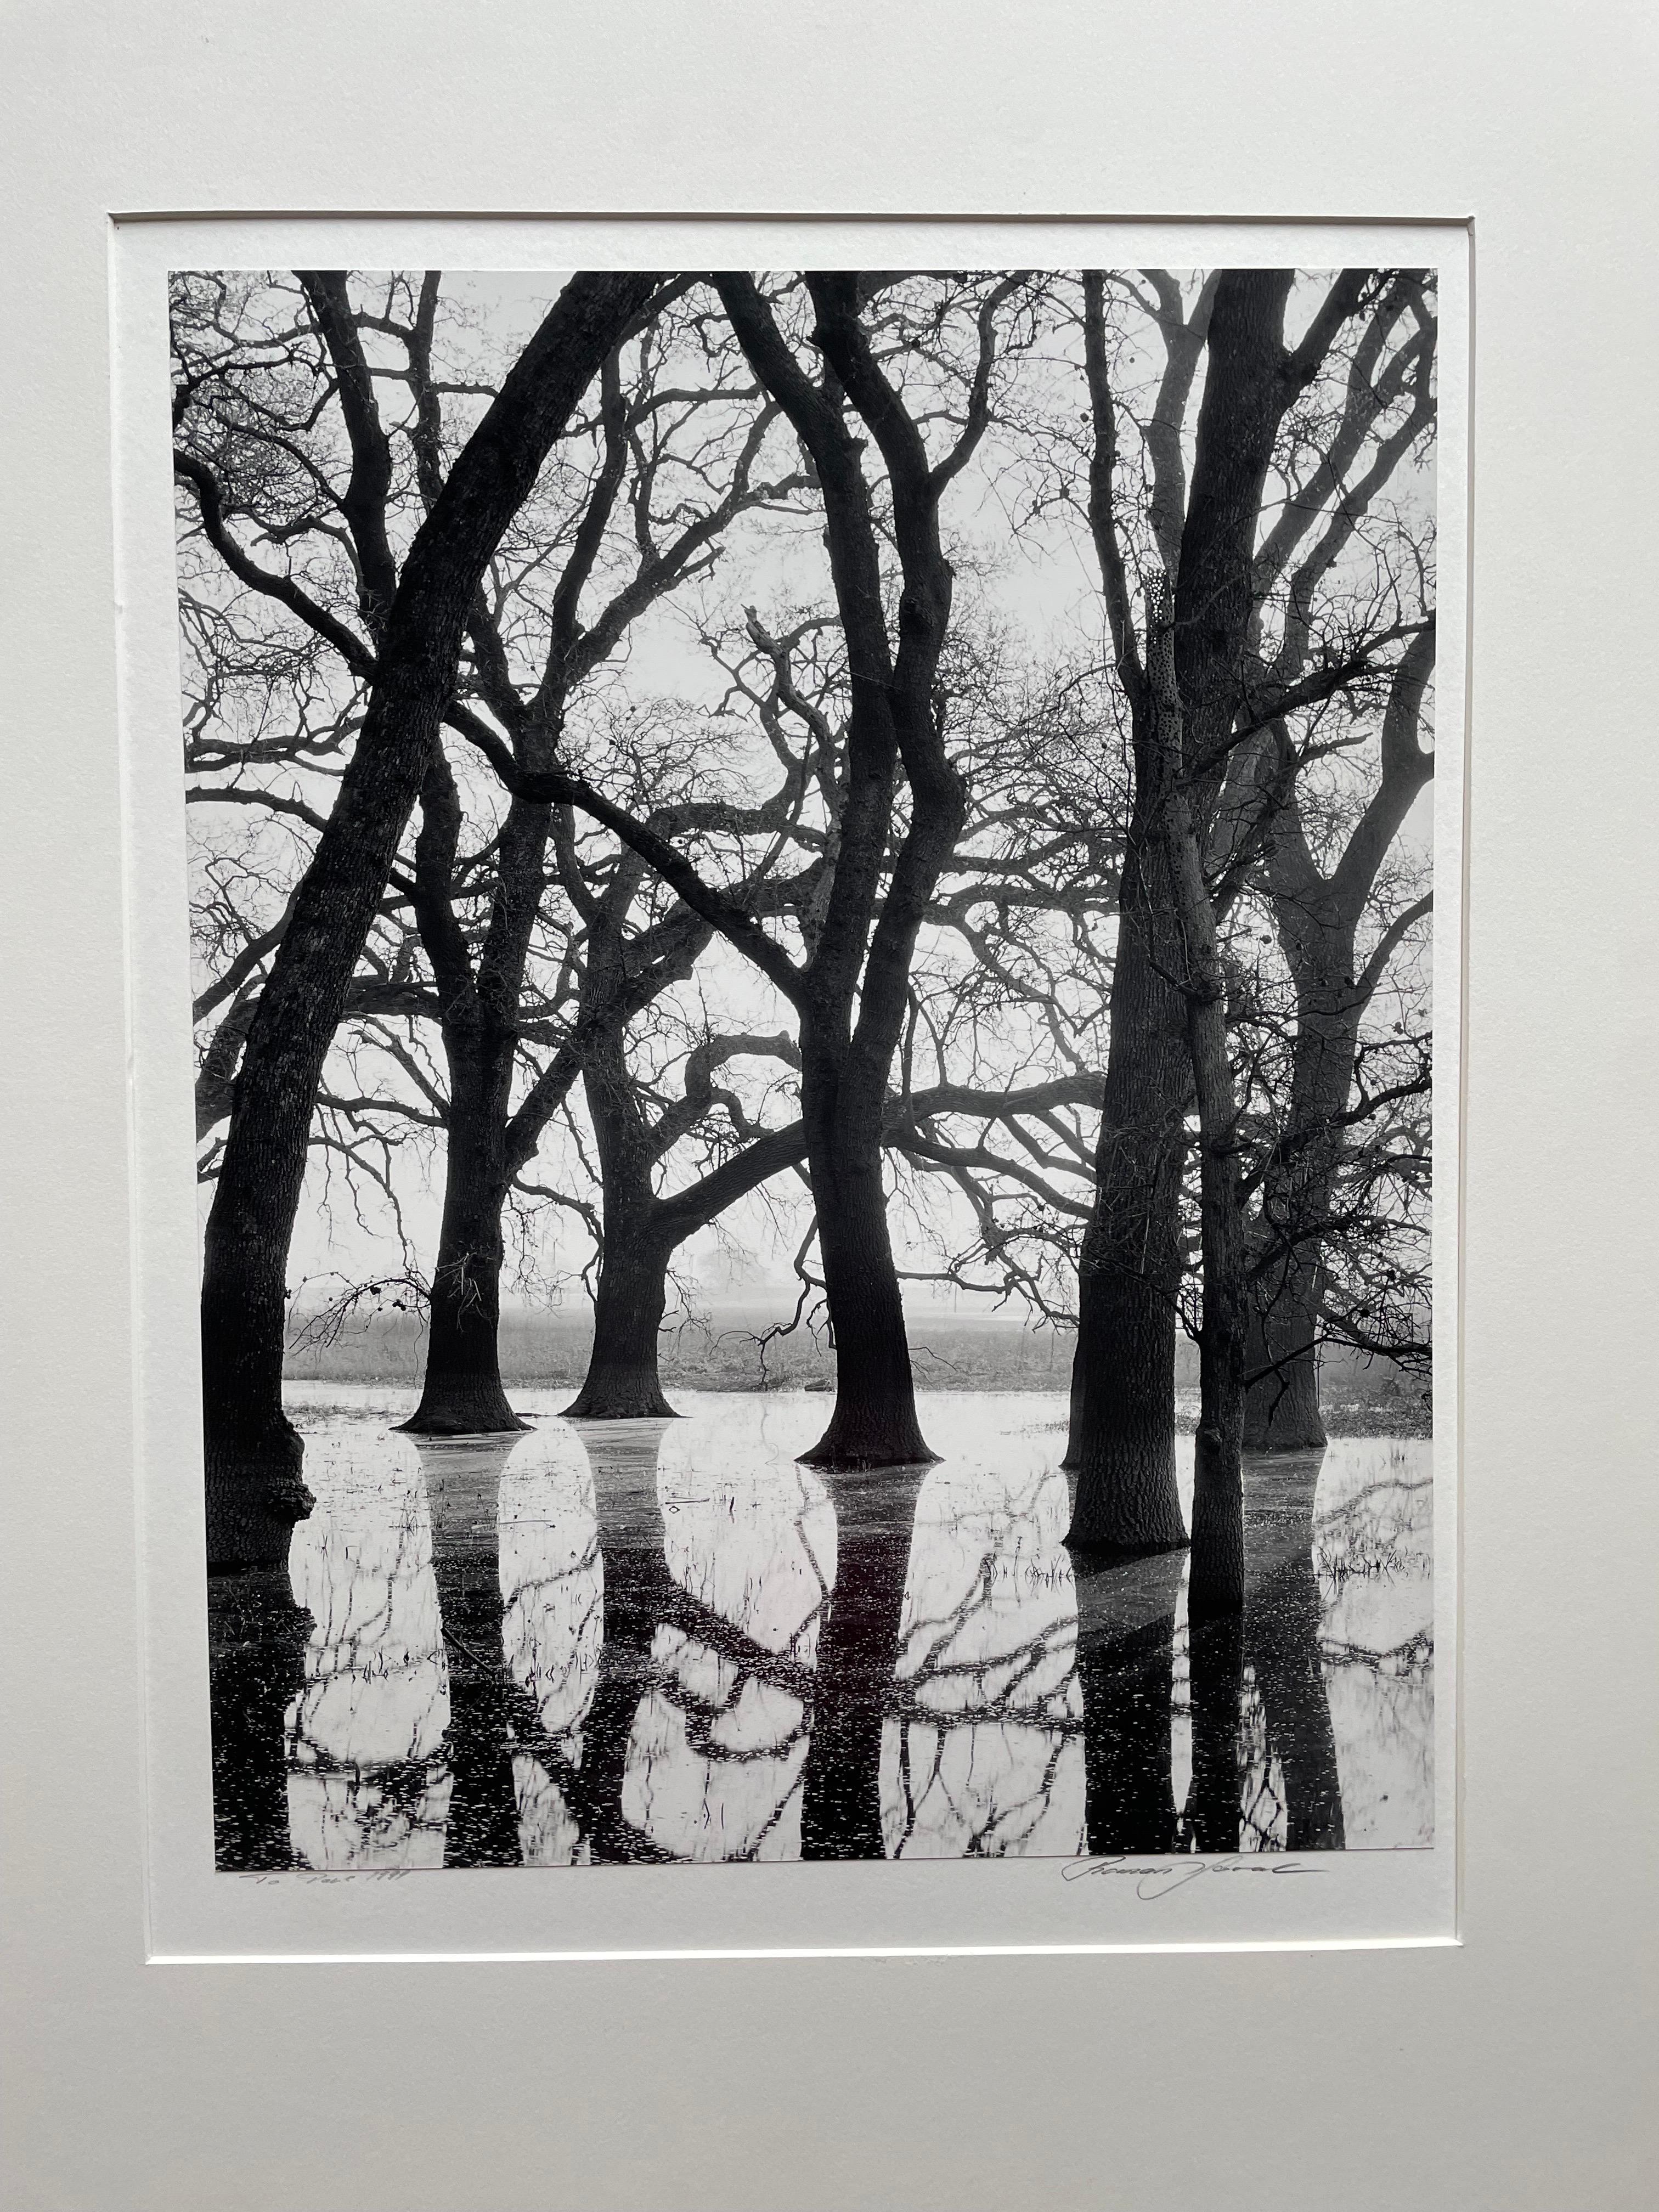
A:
[850,990]
[640,470]
[1192,844]
[415,622]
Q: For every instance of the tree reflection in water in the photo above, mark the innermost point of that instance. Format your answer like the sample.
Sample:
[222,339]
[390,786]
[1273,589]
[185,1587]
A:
[982,1754]
[668,1641]
[1372,1561]
[717,1751]
[463,1480]
[368,1780]
[1290,1800]
[552,1580]
[1137,1716]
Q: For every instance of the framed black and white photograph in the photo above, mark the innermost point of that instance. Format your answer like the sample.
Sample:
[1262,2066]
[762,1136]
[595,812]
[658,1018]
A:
[832,1128]
[710,1351]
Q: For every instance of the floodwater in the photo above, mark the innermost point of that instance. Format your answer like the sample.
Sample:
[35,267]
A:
[667,1642]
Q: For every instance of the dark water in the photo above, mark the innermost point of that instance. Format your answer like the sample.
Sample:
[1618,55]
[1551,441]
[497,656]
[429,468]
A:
[667,1642]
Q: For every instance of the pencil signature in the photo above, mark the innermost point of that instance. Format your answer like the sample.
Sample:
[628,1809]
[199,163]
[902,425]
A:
[1161,1877]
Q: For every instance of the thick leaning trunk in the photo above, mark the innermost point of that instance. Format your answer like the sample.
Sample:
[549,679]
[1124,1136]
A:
[894,717]
[623,1383]
[255,1493]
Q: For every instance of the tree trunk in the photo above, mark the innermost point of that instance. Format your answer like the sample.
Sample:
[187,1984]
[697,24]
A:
[1073,1458]
[874,1422]
[253,1491]
[1217,1583]
[1318,917]
[621,1383]
[462,1394]
[1282,1412]
[255,1488]
[1183,707]
[1123,1420]
[1281,1405]
[894,715]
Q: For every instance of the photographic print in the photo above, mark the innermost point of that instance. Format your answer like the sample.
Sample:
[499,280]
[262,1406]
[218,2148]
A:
[811,909]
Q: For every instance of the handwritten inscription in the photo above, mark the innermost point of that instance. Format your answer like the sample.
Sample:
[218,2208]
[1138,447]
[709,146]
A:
[1162,1877]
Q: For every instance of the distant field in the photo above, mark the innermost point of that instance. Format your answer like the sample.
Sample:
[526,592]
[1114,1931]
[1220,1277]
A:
[725,1351]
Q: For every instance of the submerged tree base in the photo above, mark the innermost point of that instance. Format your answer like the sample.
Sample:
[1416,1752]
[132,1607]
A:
[1102,1552]
[459,1425]
[860,1437]
[620,1398]
[455,1406]
[1130,1507]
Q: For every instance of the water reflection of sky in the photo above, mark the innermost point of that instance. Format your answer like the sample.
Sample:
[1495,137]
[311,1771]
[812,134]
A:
[666,1638]
[716,1755]
[982,1754]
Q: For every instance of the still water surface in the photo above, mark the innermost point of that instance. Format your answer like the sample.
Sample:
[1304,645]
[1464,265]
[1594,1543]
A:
[666,1641]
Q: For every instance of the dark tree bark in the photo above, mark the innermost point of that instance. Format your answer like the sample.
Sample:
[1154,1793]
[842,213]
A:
[1217,1582]
[1174,1026]
[462,1393]
[488,1144]
[642,1231]
[622,1381]
[851,992]
[894,720]
[1122,1440]
[874,1422]
[1122,1432]
[254,1488]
